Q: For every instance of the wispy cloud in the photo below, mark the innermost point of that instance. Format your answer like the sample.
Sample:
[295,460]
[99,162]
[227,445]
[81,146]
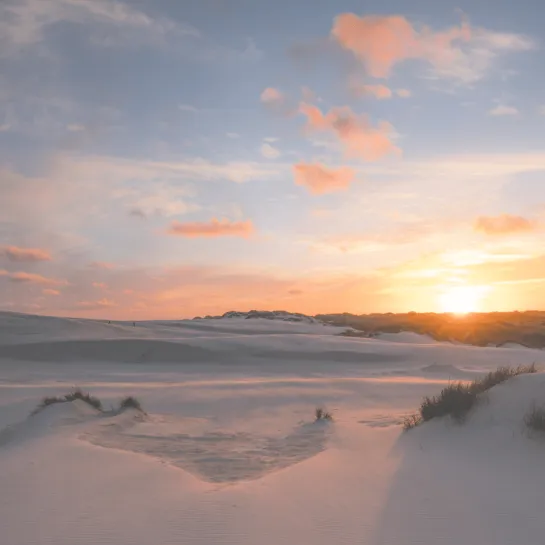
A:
[213,228]
[403,233]
[24,23]
[191,169]
[188,108]
[319,179]
[96,305]
[49,291]
[31,278]
[502,110]
[504,224]
[15,253]
[268,151]
[102,265]
[161,200]
[378,91]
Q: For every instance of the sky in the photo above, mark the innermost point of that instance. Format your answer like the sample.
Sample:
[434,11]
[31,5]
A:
[168,159]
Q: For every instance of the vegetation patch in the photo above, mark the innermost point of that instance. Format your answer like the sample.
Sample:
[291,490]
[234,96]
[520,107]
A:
[322,415]
[535,419]
[130,402]
[479,329]
[411,421]
[457,399]
[67,398]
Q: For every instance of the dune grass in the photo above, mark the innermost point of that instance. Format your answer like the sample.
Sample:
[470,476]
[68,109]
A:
[535,419]
[130,402]
[501,375]
[458,398]
[77,393]
[321,415]
[411,421]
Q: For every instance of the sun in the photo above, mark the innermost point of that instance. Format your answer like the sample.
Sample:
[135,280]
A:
[461,299]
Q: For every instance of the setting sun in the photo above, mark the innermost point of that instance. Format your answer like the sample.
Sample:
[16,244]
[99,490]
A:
[462,299]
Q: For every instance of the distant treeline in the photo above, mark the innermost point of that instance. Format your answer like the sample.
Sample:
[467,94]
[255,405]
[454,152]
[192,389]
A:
[479,329]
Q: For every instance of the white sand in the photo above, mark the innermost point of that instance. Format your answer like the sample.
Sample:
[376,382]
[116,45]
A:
[229,453]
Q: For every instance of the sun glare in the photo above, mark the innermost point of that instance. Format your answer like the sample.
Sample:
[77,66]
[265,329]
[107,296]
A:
[461,299]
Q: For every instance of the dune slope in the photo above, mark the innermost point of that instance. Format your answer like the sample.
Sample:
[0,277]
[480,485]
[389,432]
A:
[229,453]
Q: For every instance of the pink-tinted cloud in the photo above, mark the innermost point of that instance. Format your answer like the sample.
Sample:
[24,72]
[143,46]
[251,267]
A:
[31,278]
[213,228]
[51,292]
[101,265]
[15,253]
[319,179]
[380,42]
[99,285]
[94,305]
[403,93]
[271,96]
[381,92]
[277,102]
[356,133]
[502,110]
[504,224]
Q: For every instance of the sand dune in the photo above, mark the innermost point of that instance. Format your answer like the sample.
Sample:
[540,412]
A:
[228,452]
[113,350]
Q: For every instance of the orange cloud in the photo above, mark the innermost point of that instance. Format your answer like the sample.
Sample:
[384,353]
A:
[100,285]
[14,253]
[31,278]
[319,179]
[213,228]
[51,292]
[504,224]
[378,91]
[380,42]
[356,133]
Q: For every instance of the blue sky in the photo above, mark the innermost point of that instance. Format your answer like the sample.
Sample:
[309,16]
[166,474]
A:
[166,158]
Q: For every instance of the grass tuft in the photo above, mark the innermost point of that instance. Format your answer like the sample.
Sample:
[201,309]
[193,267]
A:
[535,419]
[84,396]
[411,421]
[322,415]
[67,398]
[501,375]
[130,402]
[457,399]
